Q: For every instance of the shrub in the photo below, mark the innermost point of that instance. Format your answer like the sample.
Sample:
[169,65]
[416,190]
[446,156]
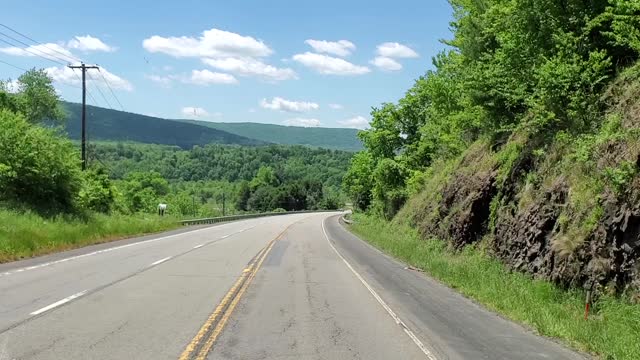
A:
[38,169]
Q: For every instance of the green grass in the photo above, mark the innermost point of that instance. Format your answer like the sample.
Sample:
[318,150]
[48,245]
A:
[24,235]
[612,331]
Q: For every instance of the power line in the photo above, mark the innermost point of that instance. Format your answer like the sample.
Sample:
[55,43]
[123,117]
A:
[52,58]
[80,87]
[17,67]
[46,57]
[110,89]
[39,43]
[100,91]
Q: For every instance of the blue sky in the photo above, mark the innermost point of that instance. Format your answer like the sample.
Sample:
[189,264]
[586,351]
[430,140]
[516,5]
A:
[321,63]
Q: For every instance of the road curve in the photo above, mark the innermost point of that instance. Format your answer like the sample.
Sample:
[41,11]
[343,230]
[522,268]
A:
[295,286]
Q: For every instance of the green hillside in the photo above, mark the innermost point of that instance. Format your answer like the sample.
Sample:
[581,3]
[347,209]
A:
[113,125]
[105,124]
[330,138]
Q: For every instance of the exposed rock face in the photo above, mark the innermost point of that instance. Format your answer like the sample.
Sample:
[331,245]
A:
[608,258]
[461,214]
[618,241]
[466,207]
[523,239]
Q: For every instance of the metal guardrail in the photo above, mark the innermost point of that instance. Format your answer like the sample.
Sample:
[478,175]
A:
[242,217]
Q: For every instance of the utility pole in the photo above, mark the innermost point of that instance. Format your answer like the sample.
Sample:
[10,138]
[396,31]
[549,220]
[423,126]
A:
[84,68]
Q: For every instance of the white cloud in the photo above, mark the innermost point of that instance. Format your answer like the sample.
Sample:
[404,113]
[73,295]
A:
[65,75]
[212,43]
[278,103]
[302,122]
[396,50]
[329,65]
[50,51]
[164,81]
[198,113]
[358,122]
[386,63]
[340,48]
[115,81]
[89,43]
[194,112]
[197,77]
[206,77]
[60,52]
[251,67]
[336,106]
[12,86]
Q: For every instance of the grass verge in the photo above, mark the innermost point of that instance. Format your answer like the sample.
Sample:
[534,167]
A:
[24,235]
[612,330]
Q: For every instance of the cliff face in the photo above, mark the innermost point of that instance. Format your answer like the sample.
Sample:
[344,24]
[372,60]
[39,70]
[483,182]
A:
[565,209]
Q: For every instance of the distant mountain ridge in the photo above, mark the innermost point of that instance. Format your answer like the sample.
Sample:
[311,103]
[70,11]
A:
[330,138]
[114,125]
[106,124]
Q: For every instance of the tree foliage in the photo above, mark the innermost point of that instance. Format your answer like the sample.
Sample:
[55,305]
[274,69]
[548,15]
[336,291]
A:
[538,66]
[226,163]
[38,168]
[34,96]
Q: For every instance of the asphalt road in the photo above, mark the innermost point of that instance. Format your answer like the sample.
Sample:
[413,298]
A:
[285,287]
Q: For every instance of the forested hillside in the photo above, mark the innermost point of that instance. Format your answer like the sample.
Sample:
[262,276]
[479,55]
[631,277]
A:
[106,124]
[329,138]
[114,125]
[223,162]
[524,138]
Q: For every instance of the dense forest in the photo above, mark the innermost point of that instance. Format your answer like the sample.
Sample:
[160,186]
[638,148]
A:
[328,138]
[223,162]
[40,168]
[524,138]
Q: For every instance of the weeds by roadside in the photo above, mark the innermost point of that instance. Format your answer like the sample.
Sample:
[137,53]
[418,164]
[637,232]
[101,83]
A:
[24,235]
[612,331]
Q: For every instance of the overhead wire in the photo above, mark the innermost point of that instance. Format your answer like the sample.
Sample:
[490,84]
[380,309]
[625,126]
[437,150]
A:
[110,89]
[29,49]
[15,66]
[53,58]
[39,43]
[99,91]
[64,60]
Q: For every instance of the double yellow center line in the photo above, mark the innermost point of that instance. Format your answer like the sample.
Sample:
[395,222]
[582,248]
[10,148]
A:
[202,343]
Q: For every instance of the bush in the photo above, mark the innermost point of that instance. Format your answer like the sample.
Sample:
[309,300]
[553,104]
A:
[97,193]
[38,168]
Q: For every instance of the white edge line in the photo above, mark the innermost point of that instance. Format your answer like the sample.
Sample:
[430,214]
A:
[198,246]
[58,303]
[393,315]
[160,261]
[104,251]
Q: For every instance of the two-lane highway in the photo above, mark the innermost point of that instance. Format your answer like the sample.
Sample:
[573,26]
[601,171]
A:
[295,286]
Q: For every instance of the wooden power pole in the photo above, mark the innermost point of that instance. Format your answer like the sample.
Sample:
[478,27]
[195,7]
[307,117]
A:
[84,68]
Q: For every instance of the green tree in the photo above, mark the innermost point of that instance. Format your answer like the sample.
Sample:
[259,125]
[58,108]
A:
[389,192]
[244,193]
[263,199]
[144,190]
[358,181]
[37,97]
[97,192]
[265,177]
[37,168]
